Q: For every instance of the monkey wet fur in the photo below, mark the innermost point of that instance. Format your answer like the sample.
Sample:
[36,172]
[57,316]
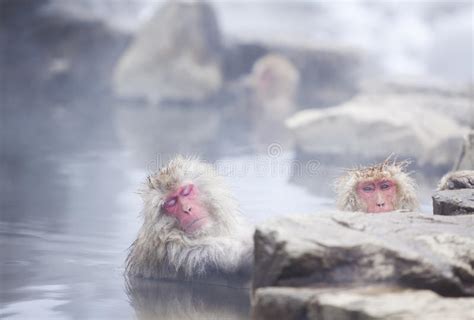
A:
[192,227]
[379,188]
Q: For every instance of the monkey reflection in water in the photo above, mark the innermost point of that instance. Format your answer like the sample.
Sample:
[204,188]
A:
[379,188]
[192,228]
[169,299]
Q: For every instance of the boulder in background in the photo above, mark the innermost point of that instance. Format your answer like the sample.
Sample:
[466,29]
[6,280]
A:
[175,56]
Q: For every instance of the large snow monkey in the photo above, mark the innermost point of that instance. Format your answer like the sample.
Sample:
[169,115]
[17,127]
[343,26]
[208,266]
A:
[192,227]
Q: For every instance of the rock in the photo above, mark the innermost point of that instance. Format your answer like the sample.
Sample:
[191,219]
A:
[359,303]
[453,202]
[52,59]
[11,10]
[329,75]
[463,179]
[238,59]
[352,249]
[466,158]
[395,305]
[453,101]
[59,70]
[368,128]
[405,305]
[282,303]
[175,56]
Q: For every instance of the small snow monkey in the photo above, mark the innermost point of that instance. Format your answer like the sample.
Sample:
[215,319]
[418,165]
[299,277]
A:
[379,188]
[192,226]
[274,84]
[275,81]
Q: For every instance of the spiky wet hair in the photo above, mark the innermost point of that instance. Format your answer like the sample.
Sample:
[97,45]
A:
[346,185]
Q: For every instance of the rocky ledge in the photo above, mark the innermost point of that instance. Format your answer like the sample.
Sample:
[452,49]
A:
[361,304]
[427,123]
[453,202]
[338,265]
[455,194]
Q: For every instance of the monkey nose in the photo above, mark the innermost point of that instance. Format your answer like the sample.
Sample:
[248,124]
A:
[188,210]
[381,204]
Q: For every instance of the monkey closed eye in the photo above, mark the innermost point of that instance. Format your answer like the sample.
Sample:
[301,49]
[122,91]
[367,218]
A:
[170,203]
[187,190]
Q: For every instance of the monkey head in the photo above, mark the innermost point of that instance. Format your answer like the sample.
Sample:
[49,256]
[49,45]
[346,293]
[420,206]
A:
[379,188]
[378,195]
[188,196]
[192,227]
[273,76]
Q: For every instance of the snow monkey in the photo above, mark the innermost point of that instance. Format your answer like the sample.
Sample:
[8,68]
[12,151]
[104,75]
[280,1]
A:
[192,227]
[273,85]
[275,81]
[379,188]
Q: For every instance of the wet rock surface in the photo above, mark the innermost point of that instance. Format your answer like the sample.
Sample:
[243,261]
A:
[402,305]
[343,248]
[455,195]
[320,266]
[463,179]
[453,202]
[367,303]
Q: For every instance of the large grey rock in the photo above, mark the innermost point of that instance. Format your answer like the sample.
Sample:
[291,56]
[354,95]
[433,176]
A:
[463,179]
[405,305]
[175,56]
[453,202]
[328,249]
[453,101]
[282,303]
[370,127]
[360,303]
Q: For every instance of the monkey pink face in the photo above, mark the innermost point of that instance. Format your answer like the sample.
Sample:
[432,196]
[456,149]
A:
[378,195]
[184,205]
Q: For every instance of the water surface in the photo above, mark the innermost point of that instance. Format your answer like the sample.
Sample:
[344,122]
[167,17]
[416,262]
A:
[69,215]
